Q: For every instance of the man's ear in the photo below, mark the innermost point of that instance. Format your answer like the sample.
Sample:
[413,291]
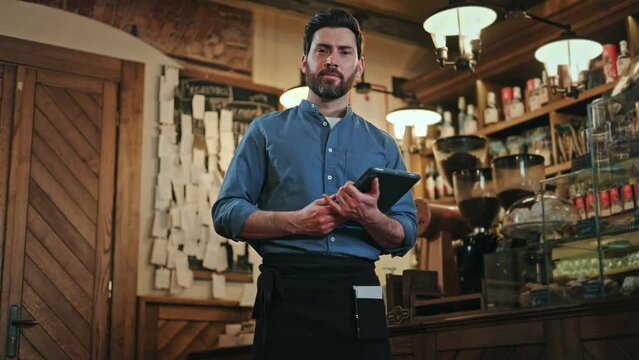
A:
[303,64]
[360,67]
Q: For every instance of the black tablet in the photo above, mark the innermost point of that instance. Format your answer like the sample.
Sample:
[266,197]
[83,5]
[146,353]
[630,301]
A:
[393,184]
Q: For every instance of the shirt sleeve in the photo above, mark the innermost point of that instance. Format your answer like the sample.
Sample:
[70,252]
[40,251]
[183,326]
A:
[404,210]
[242,184]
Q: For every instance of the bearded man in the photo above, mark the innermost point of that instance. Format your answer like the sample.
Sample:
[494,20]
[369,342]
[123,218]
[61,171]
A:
[289,193]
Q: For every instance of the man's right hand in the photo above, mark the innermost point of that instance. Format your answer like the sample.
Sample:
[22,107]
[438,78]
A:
[316,219]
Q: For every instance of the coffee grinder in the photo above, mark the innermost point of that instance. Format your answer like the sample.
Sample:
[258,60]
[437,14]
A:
[460,160]
[477,201]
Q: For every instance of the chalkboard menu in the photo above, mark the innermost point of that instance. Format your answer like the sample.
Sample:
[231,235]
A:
[246,104]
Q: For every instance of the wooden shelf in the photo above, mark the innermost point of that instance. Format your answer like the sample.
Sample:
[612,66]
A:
[556,169]
[230,276]
[544,110]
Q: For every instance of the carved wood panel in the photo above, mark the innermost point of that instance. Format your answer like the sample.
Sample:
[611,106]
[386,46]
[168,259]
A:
[194,30]
[173,328]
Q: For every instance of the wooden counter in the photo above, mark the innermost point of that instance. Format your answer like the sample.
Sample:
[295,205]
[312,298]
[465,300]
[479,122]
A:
[171,327]
[601,329]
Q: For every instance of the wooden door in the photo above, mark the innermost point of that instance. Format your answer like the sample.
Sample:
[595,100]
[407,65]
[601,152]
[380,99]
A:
[60,203]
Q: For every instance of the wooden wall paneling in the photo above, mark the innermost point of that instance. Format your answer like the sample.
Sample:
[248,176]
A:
[51,102]
[127,205]
[65,60]
[171,328]
[104,225]
[625,348]
[425,346]
[17,201]
[491,336]
[70,81]
[55,140]
[401,345]
[8,74]
[147,329]
[70,110]
[609,325]
[49,159]
[562,338]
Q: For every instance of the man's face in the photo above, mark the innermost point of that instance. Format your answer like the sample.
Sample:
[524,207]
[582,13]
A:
[331,65]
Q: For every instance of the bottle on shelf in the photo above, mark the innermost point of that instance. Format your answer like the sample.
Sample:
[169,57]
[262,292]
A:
[517,106]
[627,194]
[440,184]
[544,98]
[609,58]
[623,60]
[532,94]
[461,116]
[506,101]
[579,200]
[431,189]
[616,205]
[590,200]
[491,114]
[447,129]
[470,125]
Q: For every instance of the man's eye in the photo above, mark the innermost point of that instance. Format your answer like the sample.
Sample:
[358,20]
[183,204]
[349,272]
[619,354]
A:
[346,52]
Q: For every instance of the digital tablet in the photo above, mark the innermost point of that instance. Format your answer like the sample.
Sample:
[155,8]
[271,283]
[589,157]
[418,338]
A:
[393,184]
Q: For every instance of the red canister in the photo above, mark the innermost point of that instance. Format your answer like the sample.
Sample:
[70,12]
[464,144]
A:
[506,99]
[609,57]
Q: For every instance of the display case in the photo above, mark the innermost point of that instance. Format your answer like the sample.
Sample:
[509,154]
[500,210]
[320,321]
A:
[578,237]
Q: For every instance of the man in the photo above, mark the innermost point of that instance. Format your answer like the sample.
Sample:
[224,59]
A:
[289,192]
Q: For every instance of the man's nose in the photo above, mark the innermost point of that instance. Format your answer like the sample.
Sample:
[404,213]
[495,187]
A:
[329,61]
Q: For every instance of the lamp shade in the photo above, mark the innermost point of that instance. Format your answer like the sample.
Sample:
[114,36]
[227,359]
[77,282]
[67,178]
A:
[293,96]
[413,116]
[460,19]
[570,50]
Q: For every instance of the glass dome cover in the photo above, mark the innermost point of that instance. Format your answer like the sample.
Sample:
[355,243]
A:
[530,217]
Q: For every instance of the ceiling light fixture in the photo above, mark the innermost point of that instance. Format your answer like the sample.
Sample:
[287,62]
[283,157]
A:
[466,19]
[573,52]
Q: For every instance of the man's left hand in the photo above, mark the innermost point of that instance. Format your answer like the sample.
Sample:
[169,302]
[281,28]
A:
[354,205]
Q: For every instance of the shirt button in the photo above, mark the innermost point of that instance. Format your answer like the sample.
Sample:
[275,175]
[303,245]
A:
[330,177]
[332,238]
[330,149]
[324,123]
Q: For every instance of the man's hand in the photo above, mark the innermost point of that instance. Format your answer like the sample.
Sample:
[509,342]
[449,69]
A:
[354,205]
[362,208]
[317,219]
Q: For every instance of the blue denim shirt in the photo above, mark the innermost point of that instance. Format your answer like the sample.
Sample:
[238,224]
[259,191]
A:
[290,158]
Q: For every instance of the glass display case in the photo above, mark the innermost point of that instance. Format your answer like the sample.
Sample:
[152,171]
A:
[578,238]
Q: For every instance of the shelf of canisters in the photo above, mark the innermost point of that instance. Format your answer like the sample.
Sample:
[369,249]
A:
[544,110]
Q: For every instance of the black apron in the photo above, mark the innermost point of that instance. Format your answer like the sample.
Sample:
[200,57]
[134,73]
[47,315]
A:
[305,309]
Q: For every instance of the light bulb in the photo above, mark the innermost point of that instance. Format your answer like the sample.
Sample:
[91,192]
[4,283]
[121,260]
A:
[399,130]
[552,68]
[421,130]
[439,40]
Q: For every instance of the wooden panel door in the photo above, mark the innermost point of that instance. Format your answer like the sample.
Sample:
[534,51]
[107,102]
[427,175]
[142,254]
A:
[58,251]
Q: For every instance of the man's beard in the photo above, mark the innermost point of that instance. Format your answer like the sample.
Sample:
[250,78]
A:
[324,87]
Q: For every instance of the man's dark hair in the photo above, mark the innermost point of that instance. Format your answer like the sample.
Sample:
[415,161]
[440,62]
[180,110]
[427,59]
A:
[333,18]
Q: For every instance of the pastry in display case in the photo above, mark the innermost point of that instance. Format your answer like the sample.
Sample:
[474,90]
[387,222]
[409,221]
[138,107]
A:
[581,229]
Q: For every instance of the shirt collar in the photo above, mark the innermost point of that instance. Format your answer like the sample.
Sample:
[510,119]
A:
[309,106]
